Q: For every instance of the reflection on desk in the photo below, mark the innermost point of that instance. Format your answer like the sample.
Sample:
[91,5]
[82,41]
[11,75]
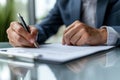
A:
[102,66]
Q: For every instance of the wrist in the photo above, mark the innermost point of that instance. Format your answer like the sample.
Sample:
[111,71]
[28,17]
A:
[103,33]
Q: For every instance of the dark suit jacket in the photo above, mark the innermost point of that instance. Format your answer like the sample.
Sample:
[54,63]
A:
[67,11]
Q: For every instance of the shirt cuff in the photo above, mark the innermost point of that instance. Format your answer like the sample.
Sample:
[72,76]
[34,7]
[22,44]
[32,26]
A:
[112,35]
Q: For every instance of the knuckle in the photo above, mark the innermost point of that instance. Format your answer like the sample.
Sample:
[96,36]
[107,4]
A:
[84,30]
[77,21]
[81,25]
[19,29]
[13,23]
[66,36]
[78,25]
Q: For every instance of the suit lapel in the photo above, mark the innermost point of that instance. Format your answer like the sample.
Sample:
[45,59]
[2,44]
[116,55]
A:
[75,10]
[100,12]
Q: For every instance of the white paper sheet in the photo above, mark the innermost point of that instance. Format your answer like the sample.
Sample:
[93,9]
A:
[54,52]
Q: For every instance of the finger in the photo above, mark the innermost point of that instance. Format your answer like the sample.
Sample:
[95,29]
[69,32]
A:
[72,25]
[23,42]
[10,34]
[82,40]
[19,45]
[34,32]
[63,39]
[21,31]
[18,40]
[76,37]
[14,44]
[68,35]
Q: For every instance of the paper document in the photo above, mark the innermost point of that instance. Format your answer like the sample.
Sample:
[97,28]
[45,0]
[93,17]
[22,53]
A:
[54,52]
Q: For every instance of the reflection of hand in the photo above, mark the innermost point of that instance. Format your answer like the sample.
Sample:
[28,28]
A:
[79,34]
[18,36]
[18,70]
[77,66]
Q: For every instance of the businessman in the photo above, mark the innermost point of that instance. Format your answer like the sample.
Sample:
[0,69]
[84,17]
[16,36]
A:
[89,22]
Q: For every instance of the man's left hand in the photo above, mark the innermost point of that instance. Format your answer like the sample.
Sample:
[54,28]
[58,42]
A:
[79,34]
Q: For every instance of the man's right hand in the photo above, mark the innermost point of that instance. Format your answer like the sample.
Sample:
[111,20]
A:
[19,37]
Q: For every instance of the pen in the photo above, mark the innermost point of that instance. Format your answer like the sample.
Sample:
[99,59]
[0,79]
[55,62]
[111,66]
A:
[26,28]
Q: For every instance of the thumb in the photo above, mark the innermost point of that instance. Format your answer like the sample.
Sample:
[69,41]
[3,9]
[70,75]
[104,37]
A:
[34,33]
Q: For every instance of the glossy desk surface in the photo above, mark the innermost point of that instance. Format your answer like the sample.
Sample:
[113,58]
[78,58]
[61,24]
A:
[102,66]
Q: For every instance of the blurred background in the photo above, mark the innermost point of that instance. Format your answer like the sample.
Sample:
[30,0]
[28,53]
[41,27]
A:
[33,11]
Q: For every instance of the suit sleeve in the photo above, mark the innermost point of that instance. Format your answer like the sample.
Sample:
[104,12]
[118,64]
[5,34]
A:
[112,35]
[117,29]
[50,25]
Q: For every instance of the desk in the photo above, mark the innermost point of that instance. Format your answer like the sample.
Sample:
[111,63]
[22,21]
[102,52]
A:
[102,66]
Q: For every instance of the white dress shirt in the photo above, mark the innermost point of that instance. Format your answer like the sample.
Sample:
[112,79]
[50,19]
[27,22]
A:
[88,17]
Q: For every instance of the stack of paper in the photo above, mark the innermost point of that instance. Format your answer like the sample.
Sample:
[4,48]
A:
[54,52]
